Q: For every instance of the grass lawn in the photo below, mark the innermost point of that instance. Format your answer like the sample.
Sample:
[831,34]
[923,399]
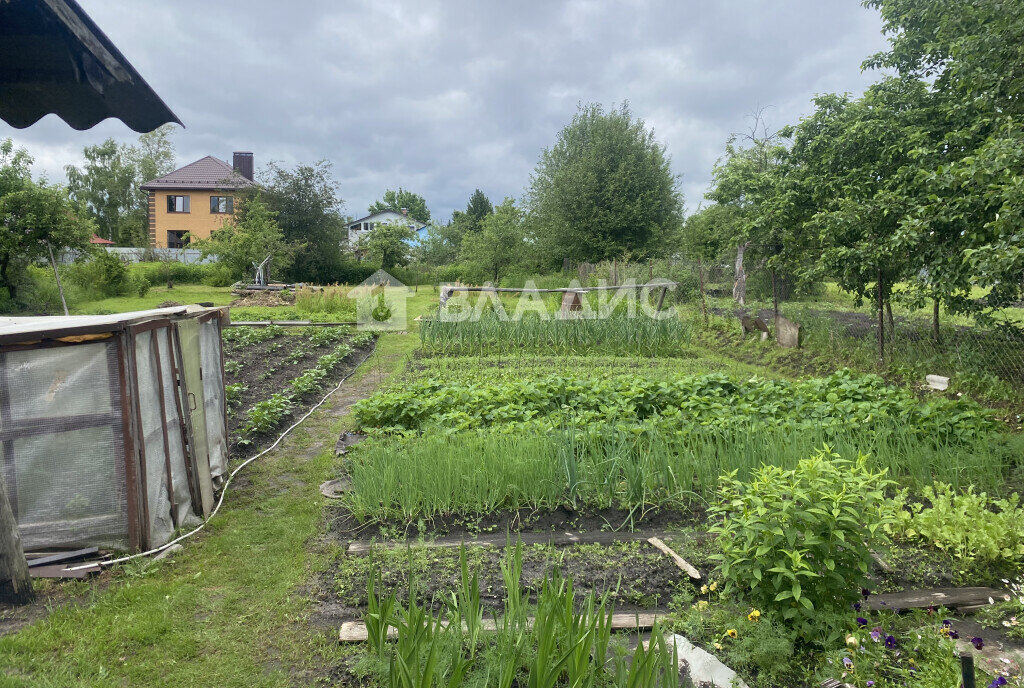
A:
[183,293]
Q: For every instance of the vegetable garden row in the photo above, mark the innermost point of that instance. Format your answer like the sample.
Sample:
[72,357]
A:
[799,502]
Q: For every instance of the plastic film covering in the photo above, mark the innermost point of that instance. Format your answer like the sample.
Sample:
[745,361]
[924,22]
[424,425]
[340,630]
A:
[213,398]
[62,445]
[158,501]
[184,514]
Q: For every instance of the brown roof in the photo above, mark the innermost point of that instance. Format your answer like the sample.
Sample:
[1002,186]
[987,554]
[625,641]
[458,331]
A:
[206,173]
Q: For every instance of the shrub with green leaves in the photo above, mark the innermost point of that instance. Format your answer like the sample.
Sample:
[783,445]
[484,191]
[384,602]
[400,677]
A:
[970,526]
[798,542]
[267,414]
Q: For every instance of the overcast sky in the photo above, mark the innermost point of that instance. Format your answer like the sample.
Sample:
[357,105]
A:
[442,97]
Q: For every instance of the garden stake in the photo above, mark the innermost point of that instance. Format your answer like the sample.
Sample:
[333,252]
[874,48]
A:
[967,669]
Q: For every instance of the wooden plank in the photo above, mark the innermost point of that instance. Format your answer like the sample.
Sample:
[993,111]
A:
[355,631]
[61,571]
[63,557]
[938,597]
[679,561]
[558,539]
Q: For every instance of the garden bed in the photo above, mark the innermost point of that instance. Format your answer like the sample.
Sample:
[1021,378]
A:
[265,363]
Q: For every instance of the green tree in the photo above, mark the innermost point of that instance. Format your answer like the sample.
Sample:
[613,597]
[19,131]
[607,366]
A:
[37,219]
[396,200]
[388,243]
[308,210]
[966,213]
[501,242]
[251,236]
[478,208]
[746,180]
[108,184]
[604,189]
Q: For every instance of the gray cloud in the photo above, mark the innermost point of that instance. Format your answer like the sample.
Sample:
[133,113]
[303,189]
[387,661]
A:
[443,97]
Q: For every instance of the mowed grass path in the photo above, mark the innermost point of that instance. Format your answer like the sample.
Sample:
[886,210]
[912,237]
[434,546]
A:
[228,610]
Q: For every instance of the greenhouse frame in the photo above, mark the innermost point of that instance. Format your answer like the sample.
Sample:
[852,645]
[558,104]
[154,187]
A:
[113,428]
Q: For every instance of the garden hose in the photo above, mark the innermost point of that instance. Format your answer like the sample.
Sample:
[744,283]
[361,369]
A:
[224,491]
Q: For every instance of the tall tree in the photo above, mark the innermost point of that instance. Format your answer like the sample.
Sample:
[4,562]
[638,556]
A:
[35,220]
[968,211]
[308,211]
[249,237]
[746,179]
[606,188]
[396,200]
[500,243]
[478,208]
[108,184]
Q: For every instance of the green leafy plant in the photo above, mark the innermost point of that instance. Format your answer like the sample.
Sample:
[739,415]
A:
[969,525]
[798,542]
[264,416]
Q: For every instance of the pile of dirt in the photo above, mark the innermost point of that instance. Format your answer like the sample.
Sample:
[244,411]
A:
[266,298]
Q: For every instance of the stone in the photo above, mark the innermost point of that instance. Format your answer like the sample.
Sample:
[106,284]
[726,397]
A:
[335,489]
[787,333]
[937,382]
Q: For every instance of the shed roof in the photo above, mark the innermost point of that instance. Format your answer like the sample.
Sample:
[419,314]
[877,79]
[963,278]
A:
[205,173]
[17,330]
[54,59]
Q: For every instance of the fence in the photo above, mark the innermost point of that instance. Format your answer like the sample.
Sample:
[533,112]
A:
[189,256]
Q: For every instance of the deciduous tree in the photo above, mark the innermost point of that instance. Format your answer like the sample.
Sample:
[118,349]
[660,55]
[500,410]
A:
[396,200]
[606,188]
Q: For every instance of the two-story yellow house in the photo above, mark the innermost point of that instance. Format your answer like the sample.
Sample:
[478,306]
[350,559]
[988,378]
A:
[195,199]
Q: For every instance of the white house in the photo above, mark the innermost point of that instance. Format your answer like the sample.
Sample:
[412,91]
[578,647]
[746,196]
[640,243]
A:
[363,225]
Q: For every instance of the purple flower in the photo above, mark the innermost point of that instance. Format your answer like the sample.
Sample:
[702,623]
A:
[847,662]
[870,683]
[953,633]
[856,606]
[890,642]
[997,682]
[977,642]
[946,623]
[876,634]
[865,592]
[861,621]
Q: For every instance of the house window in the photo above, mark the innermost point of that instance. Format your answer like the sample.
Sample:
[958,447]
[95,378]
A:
[177,239]
[222,204]
[178,204]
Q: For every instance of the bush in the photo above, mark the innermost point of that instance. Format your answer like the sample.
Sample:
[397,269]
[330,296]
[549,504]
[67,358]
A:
[105,275]
[798,542]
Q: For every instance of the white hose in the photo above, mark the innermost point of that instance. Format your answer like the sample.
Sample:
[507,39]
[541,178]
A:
[224,491]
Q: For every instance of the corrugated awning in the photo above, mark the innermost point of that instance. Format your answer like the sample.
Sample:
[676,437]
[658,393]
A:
[54,59]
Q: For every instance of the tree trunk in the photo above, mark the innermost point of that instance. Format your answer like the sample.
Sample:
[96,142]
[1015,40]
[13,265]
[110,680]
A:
[936,332]
[739,285]
[703,298]
[775,297]
[881,320]
[56,276]
[15,582]
[889,320]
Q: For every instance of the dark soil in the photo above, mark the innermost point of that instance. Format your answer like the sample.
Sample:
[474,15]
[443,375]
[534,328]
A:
[513,521]
[268,367]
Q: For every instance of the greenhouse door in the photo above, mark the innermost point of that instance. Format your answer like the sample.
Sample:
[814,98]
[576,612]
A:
[190,387]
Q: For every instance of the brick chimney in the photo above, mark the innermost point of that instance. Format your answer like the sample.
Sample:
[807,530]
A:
[243,164]
[405,211]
